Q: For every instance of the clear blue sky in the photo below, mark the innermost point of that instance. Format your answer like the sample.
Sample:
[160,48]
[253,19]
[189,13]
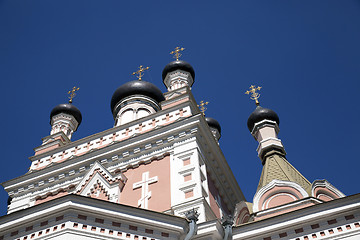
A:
[305,55]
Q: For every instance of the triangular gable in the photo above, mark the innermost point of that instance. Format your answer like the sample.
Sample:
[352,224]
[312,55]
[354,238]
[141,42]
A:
[99,183]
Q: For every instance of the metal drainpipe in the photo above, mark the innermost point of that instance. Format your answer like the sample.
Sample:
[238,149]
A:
[191,216]
[227,223]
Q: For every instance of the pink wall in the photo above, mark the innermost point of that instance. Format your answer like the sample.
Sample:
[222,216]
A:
[51,197]
[160,191]
[213,192]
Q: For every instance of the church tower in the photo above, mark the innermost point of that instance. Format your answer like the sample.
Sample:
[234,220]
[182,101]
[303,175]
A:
[161,155]
[159,173]
[282,188]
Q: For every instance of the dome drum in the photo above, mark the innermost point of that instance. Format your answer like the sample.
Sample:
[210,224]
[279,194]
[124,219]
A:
[178,74]
[135,99]
[65,118]
[134,107]
[178,79]
[65,123]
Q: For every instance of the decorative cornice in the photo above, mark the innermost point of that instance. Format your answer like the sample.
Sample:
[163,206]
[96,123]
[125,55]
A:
[297,219]
[117,135]
[75,205]
[149,150]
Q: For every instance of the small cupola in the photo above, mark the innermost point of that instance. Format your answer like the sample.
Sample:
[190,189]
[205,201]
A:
[263,123]
[260,114]
[135,99]
[178,73]
[214,127]
[65,117]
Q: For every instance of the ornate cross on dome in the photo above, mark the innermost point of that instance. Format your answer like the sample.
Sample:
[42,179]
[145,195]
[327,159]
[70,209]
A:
[144,184]
[254,95]
[72,93]
[177,53]
[202,106]
[140,72]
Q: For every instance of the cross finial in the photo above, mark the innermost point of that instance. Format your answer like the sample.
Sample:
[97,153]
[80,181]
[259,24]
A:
[254,95]
[72,93]
[177,53]
[140,72]
[202,106]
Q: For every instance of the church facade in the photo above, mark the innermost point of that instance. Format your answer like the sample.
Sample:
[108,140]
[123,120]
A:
[159,173]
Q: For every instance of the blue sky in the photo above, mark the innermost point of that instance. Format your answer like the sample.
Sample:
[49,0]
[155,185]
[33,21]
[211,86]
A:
[305,55]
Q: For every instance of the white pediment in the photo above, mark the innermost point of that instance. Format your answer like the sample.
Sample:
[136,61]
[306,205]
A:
[99,181]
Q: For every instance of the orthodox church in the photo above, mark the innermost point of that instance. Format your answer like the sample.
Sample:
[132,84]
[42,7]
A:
[159,173]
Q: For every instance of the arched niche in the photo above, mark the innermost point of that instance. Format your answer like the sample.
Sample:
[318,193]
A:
[277,193]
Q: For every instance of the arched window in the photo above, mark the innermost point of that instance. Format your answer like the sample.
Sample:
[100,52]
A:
[142,113]
[127,116]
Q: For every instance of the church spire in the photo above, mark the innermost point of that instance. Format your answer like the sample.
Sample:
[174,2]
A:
[277,172]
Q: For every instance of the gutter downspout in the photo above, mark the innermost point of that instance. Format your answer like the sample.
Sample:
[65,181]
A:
[191,216]
[227,223]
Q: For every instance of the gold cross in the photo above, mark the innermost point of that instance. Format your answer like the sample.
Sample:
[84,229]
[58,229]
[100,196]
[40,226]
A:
[202,106]
[72,93]
[177,53]
[254,95]
[140,72]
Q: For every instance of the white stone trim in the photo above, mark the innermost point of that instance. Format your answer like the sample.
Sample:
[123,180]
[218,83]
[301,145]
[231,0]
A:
[275,183]
[297,219]
[178,79]
[324,183]
[265,123]
[71,206]
[109,137]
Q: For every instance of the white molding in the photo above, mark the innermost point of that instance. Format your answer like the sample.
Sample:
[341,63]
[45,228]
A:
[71,205]
[264,123]
[324,183]
[178,76]
[297,219]
[275,183]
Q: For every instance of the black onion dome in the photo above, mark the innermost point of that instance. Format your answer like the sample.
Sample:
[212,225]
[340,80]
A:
[67,108]
[213,123]
[178,65]
[136,87]
[260,114]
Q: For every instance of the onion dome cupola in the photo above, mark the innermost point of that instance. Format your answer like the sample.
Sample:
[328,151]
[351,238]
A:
[263,124]
[213,124]
[214,127]
[178,73]
[261,114]
[135,99]
[65,117]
